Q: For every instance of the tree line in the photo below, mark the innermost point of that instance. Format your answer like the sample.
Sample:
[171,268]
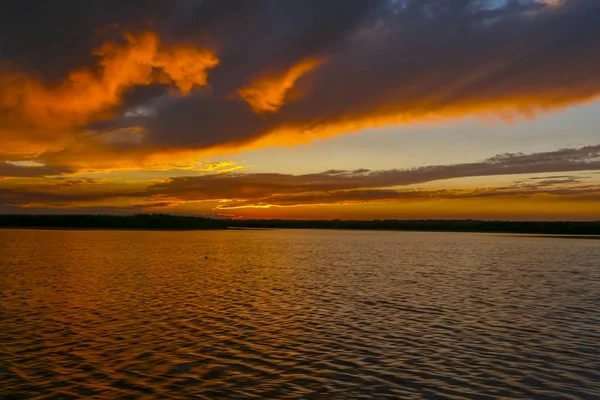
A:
[178,222]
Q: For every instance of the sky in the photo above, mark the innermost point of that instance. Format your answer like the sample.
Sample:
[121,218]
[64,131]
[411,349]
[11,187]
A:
[313,109]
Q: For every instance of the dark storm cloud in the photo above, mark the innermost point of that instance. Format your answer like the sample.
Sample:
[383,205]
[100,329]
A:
[385,62]
[374,62]
[266,36]
[53,38]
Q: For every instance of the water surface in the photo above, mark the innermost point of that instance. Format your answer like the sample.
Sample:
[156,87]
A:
[297,314]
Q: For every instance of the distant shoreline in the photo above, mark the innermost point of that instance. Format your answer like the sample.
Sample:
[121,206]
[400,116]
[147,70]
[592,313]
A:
[163,222]
[502,234]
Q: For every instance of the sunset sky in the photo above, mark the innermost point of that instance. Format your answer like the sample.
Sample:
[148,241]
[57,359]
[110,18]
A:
[312,109]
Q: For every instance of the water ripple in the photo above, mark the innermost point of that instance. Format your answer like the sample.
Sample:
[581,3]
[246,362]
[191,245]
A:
[297,314]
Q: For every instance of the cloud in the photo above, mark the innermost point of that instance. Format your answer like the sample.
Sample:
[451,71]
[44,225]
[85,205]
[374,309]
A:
[121,67]
[267,94]
[224,187]
[340,186]
[548,181]
[27,106]
[357,197]
[287,71]
[417,63]
[9,169]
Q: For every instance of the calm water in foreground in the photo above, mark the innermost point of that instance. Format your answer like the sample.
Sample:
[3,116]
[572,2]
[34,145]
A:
[297,314]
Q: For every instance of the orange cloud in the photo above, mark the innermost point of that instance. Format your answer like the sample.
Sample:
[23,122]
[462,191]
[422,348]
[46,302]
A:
[185,66]
[267,94]
[86,94]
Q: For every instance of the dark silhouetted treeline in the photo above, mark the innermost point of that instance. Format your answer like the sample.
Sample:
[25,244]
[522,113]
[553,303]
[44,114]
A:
[557,228]
[175,222]
[141,221]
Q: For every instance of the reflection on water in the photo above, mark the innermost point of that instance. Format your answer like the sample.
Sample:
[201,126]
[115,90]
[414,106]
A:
[297,314]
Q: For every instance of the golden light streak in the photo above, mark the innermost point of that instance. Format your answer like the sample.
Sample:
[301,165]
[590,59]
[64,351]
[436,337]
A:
[539,207]
[509,111]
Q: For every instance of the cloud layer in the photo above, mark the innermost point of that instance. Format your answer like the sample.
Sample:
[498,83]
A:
[286,71]
[365,185]
[231,191]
